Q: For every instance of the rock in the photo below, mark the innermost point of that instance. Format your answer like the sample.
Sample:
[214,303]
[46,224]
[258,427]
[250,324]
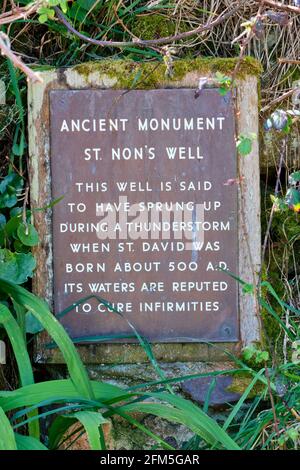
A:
[197,389]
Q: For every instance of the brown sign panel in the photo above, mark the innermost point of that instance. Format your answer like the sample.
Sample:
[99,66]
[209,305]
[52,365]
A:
[148,216]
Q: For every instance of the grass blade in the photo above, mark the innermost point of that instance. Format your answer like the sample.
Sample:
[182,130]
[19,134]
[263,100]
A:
[238,405]
[91,421]
[28,443]
[7,438]
[185,412]
[20,351]
[40,310]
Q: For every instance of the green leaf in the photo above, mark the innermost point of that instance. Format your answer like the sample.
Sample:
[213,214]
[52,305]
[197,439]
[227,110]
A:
[51,14]
[16,338]
[58,429]
[16,267]
[185,412]
[9,188]
[292,199]
[50,205]
[244,145]
[264,356]
[222,79]
[58,391]
[177,409]
[248,353]
[19,347]
[12,225]
[248,288]
[41,311]
[64,5]
[11,183]
[91,421]
[28,234]
[8,200]
[7,438]
[20,248]
[294,178]
[43,18]
[238,405]
[287,128]
[223,91]
[28,443]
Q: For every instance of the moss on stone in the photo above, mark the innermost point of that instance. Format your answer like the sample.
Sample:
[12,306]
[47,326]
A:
[241,382]
[145,75]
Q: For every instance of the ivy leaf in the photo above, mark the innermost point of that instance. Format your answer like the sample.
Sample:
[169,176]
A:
[12,225]
[279,203]
[9,188]
[28,234]
[293,199]
[20,247]
[248,353]
[244,143]
[261,356]
[287,128]
[10,180]
[224,81]
[294,178]
[223,91]
[16,267]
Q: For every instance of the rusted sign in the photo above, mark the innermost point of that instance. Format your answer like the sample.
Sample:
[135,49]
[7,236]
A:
[148,217]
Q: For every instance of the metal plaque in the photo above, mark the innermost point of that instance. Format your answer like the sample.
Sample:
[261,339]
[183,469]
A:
[148,219]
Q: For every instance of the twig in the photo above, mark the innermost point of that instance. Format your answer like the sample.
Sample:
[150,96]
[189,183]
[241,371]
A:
[14,166]
[149,42]
[281,6]
[19,13]
[134,37]
[121,22]
[4,6]
[246,41]
[6,51]
[289,61]
[284,96]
